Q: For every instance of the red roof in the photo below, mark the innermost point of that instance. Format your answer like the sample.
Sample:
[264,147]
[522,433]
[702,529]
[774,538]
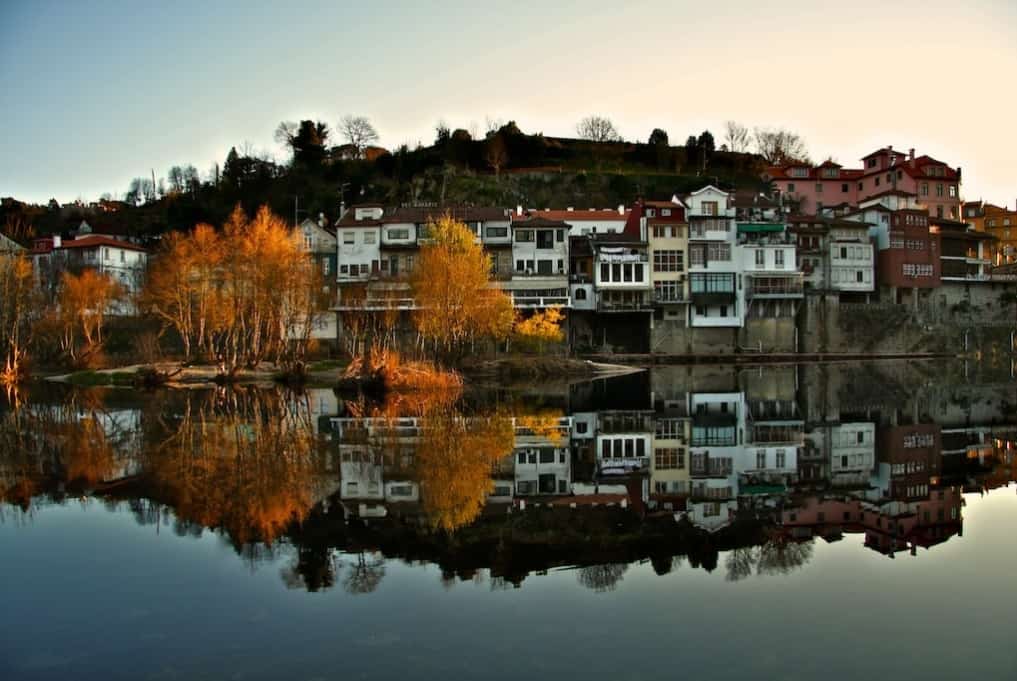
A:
[46,245]
[783,172]
[574,215]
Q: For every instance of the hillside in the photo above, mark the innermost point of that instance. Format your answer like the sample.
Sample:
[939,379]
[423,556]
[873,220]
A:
[532,170]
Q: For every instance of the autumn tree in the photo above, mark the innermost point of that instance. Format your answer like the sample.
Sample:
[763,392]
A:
[541,328]
[86,300]
[241,295]
[19,310]
[358,131]
[737,137]
[456,305]
[780,146]
[455,459]
[598,129]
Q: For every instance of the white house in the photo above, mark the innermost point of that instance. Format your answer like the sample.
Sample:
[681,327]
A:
[123,262]
[716,289]
[540,256]
[358,238]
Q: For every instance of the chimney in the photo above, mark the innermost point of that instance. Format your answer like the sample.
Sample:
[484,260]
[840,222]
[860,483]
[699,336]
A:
[321,219]
[911,157]
[621,209]
[342,209]
[570,209]
[57,241]
[519,209]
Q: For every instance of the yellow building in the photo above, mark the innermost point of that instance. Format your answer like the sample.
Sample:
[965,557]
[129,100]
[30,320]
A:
[1000,223]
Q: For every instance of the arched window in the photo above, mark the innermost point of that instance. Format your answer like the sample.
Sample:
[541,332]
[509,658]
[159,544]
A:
[580,294]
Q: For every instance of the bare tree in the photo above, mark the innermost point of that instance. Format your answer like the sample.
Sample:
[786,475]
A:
[737,137]
[780,146]
[492,125]
[358,131]
[602,578]
[495,153]
[598,129]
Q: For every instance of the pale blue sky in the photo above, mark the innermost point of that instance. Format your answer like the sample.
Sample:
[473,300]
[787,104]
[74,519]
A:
[95,93]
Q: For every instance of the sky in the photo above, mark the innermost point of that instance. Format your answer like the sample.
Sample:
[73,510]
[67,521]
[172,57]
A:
[93,94]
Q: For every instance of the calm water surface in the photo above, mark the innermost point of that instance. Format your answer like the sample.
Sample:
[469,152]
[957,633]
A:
[828,522]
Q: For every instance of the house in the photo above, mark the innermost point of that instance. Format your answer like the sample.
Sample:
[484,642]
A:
[358,240]
[319,239]
[540,256]
[772,282]
[667,235]
[125,263]
[908,261]
[9,246]
[834,254]
[964,252]
[813,188]
[1001,223]
[583,222]
[716,291]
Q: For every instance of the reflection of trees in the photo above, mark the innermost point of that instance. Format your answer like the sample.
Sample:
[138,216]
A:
[455,458]
[364,574]
[777,555]
[245,460]
[602,578]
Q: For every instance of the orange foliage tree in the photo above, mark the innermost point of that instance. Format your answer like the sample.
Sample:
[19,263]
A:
[241,295]
[541,328]
[456,304]
[19,310]
[85,301]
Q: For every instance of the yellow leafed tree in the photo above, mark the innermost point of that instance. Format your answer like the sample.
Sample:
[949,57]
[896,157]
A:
[456,303]
[19,308]
[85,300]
[542,327]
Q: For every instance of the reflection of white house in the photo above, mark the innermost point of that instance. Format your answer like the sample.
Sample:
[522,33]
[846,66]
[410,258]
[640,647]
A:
[711,515]
[852,452]
[543,461]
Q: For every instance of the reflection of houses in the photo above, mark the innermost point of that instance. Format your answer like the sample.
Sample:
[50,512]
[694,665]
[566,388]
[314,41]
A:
[543,461]
[623,441]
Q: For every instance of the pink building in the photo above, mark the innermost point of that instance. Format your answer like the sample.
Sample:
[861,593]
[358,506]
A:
[827,185]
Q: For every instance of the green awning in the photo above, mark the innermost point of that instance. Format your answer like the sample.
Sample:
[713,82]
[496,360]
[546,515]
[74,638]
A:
[762,489]
[758,227]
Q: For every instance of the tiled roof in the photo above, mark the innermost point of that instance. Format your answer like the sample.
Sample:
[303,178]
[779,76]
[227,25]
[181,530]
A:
[576,215]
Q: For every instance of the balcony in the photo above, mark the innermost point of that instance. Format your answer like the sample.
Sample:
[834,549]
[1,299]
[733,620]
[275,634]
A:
[669,298]
[522,300]
[774,287]
[375,304]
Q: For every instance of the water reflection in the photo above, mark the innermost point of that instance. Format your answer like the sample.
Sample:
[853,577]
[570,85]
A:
[742,470]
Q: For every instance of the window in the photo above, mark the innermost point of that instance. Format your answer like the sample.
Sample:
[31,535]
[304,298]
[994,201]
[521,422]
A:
[546,456]
[858,276]
[924,191]
[668,458]
[779,258]
[844,188]
[718,252]
[369,237]
[871,163]
[639,277]
[559,235]
[627,272]
[713,283]
[819,187]
[524,235]
[781,458]
[545,238]
[790,187]
[760,257]
[666,291]
[761,458]
[665,212]
[398,234]
[709,208]
[953,191]
[668,261]
[122,254]
[580,295]
[939,189]
[344,269]
[326,265]
[877,182]
[799,172]
[496,232]
[605,272]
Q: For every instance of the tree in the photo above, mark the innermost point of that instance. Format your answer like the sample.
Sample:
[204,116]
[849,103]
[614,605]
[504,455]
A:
[242,295]
[442,133]
[495,153]
[602,578]
[306,140]
[541,327]
[19,310]
[780,146]
[598,129]
[358,131]
[706,143]
[658,137]
[737,137]
[85,301]
[691,149]
[455,304]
